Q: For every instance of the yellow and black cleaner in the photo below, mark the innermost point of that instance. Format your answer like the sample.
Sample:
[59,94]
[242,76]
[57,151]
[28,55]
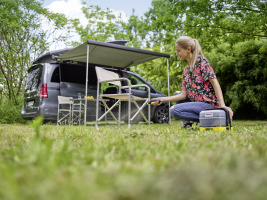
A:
[216,119]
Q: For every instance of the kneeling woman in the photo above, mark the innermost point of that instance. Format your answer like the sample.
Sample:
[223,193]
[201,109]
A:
[200,88]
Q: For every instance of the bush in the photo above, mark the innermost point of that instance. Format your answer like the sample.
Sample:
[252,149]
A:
[242,73]
[10,113]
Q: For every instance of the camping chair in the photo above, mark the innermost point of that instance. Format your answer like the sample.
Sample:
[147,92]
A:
[64,114]
[113,78]
[77,111]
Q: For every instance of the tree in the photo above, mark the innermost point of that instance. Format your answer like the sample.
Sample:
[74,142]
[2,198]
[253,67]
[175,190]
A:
[242,73]
[155,71]
[102,25]
[211,21]
[22,39]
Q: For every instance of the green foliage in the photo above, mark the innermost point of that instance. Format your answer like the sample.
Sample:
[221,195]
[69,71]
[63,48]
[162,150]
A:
[10,112]
[212,22]
[22,39]
[155,72]
[36,123]
[157,162]
[102,25]
[242,73]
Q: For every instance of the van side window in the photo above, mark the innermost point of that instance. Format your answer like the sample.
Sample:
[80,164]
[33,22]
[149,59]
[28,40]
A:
[34,78]
[135,81]
[55,76]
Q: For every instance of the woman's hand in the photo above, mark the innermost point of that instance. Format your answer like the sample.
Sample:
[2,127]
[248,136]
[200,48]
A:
[231,113]
[157,101]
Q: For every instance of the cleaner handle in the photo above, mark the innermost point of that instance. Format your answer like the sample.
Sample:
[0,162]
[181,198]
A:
[228,120]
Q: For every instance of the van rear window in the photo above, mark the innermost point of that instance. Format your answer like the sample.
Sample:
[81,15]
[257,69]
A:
[76,74]
[34,78]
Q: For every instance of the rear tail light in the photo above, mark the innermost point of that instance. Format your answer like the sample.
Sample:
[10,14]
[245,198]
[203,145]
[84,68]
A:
[43,92]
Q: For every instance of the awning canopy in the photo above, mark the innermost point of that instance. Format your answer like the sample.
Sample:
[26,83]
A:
[109,54]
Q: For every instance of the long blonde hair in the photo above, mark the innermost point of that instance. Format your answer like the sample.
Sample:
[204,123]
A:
[185,42]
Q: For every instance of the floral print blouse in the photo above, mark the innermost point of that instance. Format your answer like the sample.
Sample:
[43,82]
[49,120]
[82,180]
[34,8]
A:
[197,84]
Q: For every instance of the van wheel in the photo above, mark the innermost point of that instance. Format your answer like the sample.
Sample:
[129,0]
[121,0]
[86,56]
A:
[161,115]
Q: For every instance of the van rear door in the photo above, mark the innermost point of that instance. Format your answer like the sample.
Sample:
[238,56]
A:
[32,90]
[72,82]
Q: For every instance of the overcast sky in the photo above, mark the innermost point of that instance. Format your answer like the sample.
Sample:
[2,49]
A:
[71,8]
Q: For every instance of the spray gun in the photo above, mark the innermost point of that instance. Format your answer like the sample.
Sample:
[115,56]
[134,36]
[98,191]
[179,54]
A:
[153,102]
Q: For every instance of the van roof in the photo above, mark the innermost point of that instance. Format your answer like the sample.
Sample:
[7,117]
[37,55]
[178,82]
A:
[109,54]
[50,56]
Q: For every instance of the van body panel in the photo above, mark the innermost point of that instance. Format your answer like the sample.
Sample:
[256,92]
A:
[72,90]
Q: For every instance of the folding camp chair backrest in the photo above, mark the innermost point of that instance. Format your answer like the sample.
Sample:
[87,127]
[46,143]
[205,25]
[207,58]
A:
[64,112]
[104,75]
[113,78]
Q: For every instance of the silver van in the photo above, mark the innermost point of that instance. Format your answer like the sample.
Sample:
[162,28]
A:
[49,78]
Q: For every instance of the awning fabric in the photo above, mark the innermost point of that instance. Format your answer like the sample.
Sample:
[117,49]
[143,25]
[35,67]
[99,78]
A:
[109,54]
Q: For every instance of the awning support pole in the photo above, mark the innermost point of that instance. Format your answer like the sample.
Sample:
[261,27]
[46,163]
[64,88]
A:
[86,86]
[169,89]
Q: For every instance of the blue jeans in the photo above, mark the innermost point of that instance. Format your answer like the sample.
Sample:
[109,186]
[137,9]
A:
[187,110]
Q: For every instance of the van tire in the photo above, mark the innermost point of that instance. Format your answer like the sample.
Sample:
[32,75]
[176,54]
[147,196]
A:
[161,114]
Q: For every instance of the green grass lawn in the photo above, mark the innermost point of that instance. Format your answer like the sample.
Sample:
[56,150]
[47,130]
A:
[156,162]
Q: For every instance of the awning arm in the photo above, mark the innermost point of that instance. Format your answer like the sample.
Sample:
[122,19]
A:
[86,86]
[169,89]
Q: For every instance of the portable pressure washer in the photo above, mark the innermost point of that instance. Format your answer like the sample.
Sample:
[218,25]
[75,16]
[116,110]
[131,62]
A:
[216,119]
